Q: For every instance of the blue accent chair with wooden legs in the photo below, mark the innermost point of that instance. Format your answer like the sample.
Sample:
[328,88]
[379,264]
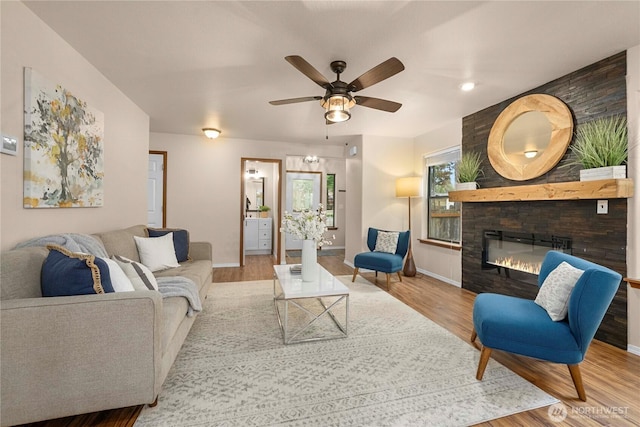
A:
[382,261]
[521,326]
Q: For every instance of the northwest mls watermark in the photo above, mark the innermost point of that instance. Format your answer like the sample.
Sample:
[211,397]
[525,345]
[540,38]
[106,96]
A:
[559,412]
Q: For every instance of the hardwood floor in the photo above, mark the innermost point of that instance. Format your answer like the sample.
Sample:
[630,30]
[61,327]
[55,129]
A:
[611,376]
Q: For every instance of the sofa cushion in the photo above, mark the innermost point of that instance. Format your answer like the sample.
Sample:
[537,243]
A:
[67,273]
[174,311]
[141,277]
[157,253]
[120,242]
[198,271]
[180,240]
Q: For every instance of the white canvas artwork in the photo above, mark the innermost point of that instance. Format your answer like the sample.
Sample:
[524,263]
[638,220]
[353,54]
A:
[63,147]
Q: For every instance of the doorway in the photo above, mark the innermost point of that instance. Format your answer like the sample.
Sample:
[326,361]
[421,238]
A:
[157,189]
[304,191]
[260,207]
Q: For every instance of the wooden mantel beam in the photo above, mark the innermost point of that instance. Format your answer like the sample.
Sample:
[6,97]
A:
[601,189]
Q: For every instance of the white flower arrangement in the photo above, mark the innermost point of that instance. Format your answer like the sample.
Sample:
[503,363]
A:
[307,225]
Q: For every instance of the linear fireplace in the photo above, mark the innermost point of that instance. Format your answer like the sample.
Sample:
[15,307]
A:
[519,251]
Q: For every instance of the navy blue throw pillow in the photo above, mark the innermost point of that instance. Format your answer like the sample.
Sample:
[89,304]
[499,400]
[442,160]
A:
[180,240]
[66,273]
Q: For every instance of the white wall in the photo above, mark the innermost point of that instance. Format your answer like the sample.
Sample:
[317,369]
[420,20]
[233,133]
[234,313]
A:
[203,185]
[28,42]
[354,243]
[371,183]
[442,263]
[633,204]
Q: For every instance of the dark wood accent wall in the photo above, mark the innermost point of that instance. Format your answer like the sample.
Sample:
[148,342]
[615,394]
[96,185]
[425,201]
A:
[598,90]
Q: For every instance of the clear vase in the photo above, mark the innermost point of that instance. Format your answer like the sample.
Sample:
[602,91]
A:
[309,261]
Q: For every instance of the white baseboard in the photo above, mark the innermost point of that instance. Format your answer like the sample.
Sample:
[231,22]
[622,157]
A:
[426,273]
[230,264]
[633,349]
[441,278]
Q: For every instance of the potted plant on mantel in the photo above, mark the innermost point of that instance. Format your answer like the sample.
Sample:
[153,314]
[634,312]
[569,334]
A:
[468,169]
[601,148]
[264,211]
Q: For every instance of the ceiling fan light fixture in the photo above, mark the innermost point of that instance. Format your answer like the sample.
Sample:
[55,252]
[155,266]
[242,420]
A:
[211,133]
[337,108]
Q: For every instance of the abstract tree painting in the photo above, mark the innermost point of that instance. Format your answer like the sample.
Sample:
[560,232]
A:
[63,147]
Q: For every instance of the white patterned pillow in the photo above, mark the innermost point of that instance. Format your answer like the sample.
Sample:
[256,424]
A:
[141,277]
[556,289]
[387,241]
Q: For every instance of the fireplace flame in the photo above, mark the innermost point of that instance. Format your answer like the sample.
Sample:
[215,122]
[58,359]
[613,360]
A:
[516,264]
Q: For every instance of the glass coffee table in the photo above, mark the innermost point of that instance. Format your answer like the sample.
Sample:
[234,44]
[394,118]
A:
[312,302]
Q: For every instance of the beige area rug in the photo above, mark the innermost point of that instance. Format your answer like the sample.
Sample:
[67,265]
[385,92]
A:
[396,368]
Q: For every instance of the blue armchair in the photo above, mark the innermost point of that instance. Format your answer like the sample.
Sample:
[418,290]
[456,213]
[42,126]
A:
[382,261]
[521,326]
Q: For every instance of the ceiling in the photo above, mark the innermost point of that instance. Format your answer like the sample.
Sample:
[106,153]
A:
[195,64]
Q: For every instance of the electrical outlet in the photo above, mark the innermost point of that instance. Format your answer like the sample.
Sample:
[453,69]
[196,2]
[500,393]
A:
[603,207]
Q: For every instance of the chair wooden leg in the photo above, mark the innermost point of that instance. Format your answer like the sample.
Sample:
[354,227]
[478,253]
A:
[482,364]
[355,273]
[399,276]
[154,403]
[388,279]
[474,335]
[577,381]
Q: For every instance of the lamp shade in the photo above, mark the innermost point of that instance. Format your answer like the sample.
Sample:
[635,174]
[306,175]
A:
[409,187]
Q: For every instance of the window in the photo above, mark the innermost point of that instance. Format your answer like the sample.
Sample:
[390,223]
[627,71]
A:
[331,199]
[443,216]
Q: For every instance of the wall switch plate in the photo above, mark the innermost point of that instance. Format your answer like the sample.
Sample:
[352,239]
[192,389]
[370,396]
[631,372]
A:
[603,207]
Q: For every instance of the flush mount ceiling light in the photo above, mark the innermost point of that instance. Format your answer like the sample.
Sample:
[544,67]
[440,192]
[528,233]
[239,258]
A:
[467,86]
[530,154]
[211,133]
[311,159]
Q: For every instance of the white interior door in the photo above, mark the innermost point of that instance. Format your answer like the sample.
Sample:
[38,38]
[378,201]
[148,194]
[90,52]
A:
[155,190]
[303,192]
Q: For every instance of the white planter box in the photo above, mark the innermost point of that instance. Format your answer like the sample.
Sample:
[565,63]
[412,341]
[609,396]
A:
[466,186]
[607,172]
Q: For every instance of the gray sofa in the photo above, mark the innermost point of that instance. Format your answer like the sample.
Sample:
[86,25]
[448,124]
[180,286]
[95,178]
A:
[69,355]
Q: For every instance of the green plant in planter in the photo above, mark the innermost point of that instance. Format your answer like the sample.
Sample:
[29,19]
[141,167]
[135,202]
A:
[601,142]
[469,167]
[264,208]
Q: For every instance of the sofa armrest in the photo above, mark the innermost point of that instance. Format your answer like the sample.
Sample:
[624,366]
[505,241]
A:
[200,251]
[68,355]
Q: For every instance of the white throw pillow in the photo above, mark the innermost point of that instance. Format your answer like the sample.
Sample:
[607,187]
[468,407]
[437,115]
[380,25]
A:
[157,253]
[556,289]
[119,280]
[141,277]
[387,241]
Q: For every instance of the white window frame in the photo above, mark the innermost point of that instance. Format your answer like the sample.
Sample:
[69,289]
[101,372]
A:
[448,155]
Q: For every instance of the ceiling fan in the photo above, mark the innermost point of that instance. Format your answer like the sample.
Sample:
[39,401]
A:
[337,99]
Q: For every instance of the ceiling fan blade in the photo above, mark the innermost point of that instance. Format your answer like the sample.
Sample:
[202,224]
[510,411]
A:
[380,72]
[307,69]
[377,103]
[294,100]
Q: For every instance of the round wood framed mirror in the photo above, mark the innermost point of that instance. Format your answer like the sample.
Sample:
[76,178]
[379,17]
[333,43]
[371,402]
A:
[530,137]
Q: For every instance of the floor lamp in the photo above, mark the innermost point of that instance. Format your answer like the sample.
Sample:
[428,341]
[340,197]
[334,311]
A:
[409,187]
